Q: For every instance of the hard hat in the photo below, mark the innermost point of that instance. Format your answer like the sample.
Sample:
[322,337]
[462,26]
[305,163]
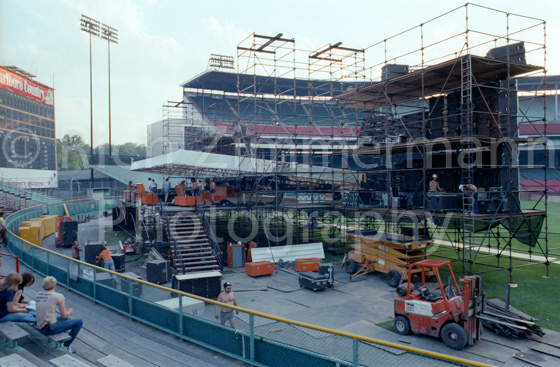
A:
[434,176]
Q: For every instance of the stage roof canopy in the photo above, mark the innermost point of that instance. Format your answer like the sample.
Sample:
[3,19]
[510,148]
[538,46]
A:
[200,164]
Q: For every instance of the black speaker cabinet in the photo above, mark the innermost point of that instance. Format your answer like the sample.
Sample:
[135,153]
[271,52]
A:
[204,284]
[92,250]
[119,260]
[68,232]
[126,283]
[393,70]
[106,279]
[515,53]
[158,271]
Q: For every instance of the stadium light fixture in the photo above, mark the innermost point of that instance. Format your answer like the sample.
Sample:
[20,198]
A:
[90,26]
[111,35]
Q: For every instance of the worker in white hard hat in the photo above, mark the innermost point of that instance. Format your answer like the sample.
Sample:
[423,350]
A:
[434,184]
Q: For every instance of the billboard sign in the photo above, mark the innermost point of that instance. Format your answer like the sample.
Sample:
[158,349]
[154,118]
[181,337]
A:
[29,178]
[25,87]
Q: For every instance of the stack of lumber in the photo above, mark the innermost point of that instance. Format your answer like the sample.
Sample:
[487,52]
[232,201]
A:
[153,255]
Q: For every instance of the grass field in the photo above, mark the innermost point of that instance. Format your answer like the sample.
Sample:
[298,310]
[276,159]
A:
[537,290]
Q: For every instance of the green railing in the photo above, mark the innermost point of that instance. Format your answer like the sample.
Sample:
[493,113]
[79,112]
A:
[258,339]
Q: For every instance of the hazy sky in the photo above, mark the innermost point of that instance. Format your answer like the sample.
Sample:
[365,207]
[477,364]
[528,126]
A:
[164,43]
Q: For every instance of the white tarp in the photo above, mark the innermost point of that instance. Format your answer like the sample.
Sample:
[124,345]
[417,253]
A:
[288,253]
[189,163]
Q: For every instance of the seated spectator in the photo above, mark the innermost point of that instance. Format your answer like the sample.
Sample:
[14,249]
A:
[9,309]
[2,228]
[27,280]
[47,321]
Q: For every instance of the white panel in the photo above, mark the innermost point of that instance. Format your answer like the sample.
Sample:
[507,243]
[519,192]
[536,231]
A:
[423,308]
[15,360]
[288,253]
[29,178]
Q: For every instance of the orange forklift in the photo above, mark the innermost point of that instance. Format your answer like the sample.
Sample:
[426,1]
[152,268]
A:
[444,312]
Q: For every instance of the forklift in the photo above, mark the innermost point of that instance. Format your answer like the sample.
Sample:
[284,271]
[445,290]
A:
[444,312]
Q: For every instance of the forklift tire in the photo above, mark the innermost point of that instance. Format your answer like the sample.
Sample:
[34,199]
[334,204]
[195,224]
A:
[393,278]
[350,266]
[402,325]
[454,336]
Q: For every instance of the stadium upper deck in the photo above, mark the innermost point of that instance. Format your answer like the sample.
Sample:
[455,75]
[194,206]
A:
[271,107]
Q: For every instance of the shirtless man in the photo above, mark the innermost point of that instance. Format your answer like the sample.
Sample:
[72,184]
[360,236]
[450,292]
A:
[195,190]
[228,298]
[434,184]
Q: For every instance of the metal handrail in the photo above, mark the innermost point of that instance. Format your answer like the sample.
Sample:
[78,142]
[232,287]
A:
[216,251]
[171,239]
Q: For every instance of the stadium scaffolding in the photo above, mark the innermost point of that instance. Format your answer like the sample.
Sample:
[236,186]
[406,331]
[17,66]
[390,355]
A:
[385,128]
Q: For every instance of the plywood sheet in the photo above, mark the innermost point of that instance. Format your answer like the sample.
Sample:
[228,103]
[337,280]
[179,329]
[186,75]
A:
[288,253]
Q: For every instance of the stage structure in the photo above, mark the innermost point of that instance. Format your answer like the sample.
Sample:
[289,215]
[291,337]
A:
[456,116]
[428,105]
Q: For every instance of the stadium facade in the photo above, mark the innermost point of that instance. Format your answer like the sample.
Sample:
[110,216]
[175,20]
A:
[27,130]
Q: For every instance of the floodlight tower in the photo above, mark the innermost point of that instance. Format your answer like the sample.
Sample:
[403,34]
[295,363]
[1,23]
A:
[90,26]
[111,35]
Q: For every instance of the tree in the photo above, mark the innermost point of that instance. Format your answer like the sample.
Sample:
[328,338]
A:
[71,153]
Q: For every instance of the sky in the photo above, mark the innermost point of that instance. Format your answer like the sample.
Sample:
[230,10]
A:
[165,43]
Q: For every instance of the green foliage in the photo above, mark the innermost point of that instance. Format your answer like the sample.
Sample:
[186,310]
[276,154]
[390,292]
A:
[113,237]
[73,154]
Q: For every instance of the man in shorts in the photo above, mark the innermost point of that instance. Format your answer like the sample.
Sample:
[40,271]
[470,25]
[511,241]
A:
[228,298]
[212,190]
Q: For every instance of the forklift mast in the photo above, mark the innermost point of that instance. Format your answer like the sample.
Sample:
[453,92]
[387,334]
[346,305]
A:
[473,305]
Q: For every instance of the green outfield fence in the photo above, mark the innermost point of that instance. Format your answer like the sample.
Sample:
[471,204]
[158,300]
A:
[258,339]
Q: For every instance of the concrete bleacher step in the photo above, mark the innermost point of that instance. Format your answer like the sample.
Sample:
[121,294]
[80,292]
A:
[60,337]
[12,332]
[112,361]
[68,361]
[15,360]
